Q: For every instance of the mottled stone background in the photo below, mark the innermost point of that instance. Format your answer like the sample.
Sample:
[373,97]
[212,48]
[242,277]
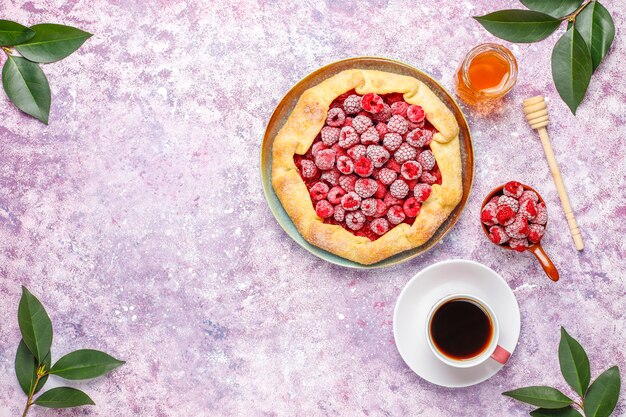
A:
[138,218]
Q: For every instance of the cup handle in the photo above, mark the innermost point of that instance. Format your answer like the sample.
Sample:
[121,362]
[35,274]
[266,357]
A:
[501,355]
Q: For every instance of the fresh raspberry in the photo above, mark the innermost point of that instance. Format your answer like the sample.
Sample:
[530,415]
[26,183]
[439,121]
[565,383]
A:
[339,151]
[387,176]
[411,170]
[411,207]
[415,114]
[405,153]
[488,214]
[351,201]
[348,137]
[381,190]
[325,159]
[505,200]
[330,135]
[352,104]
[365,187]
[419,137]
[428,178]
[339,100]
[319,191]
[379,226]
[345,165]
[542,214]
[397,124]
[335,117]
[513,189]
[384,115]
[378,155]
[528,208]
[318,146]
[392,141]
[518,229]
[331,177]
[363,166]
[371,102]
[394,166]
[497,235]
[347,182]
[529,195]
[399,108]
[324,209]
[382,130]
[340,213]
[308,168]
[393,97]
[335,194]
[355,220]
[390,200]
[505,215]
[494,199]
[399,189]
[427,160]
[357,151]
[422,192]
[368,207]
[381,208]
[361,123]
[519,245]
[370,136]
[413,126]
[535,232]
[395,214]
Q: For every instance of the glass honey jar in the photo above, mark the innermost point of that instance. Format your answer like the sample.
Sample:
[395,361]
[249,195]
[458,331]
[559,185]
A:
[487,73]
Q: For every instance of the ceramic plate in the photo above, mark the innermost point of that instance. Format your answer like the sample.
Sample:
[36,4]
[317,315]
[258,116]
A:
[288,103]
[432,284]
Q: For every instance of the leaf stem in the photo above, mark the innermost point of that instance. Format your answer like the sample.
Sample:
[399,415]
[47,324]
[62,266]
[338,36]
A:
[7,50]
[41,372]
[572,16]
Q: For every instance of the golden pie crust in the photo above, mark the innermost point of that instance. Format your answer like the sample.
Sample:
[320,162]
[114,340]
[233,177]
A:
[301,129]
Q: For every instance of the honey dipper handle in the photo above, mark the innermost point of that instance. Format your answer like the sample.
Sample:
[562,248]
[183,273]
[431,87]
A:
[560,187]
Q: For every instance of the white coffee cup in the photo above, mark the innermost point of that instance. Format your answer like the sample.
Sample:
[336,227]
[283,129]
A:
[493,350]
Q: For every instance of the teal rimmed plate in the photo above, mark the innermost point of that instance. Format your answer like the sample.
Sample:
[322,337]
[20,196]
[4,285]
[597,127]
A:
[282,112]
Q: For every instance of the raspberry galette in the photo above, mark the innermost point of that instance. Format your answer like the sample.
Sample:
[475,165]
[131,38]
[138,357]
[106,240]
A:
[368,164]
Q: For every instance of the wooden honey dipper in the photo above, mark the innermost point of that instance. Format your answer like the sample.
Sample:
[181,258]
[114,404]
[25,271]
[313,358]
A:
[537,115]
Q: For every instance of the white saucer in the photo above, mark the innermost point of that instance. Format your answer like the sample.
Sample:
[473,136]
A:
[424,290]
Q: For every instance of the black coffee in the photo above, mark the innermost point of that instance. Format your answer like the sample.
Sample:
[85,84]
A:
[461,329]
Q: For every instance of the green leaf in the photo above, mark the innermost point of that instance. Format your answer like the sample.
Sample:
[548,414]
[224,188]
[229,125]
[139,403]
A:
[84,364]
[34,323]
[12,33]
[571,68]
[519,25]
[603,394]
[52,42]
[555,8]
[26,369]
[574,363]
[545,397]
[558,412]
[63,397]
[27,87]
[597,29]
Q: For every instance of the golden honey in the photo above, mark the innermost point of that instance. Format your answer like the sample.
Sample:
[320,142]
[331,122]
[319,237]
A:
[487,73]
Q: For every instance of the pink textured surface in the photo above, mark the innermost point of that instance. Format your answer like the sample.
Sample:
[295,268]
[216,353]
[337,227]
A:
[138,218]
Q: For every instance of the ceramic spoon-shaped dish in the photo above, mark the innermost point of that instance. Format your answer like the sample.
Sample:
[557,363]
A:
[536,248]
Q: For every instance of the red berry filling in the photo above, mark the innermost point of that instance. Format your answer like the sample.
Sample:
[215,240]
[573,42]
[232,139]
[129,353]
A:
[370,168]
[515,217]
